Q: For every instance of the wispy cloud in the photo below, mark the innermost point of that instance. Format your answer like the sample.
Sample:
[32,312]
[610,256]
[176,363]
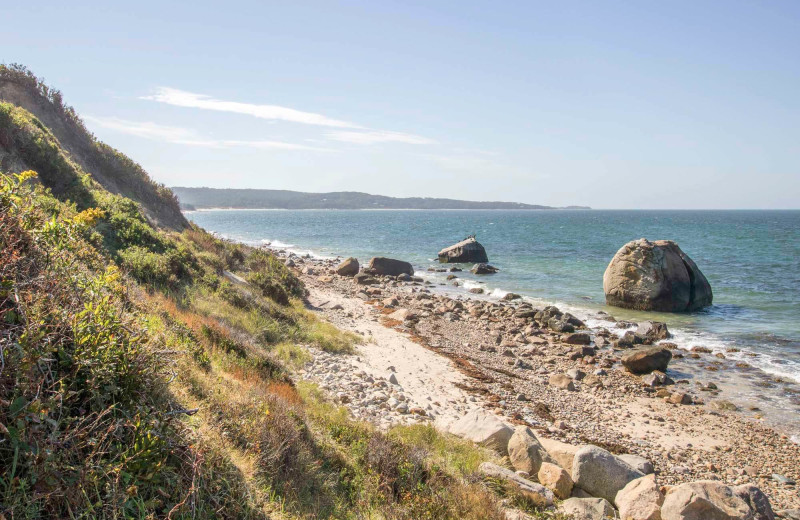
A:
[182,98]
[188,137]
[354,133]
[378,136]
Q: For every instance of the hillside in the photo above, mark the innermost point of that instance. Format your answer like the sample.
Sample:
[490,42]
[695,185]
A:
[149,373]
[50,137]
[203,198]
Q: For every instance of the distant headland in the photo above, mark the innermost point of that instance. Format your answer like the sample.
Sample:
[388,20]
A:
[204,198]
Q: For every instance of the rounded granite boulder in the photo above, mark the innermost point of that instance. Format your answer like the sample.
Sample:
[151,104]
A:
[655,276]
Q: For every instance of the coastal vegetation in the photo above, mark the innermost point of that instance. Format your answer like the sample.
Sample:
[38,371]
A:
[146,370]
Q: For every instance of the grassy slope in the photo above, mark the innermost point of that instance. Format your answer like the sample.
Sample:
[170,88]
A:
[137,382]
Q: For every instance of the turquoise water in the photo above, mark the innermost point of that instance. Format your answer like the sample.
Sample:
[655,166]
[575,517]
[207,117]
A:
[751,258]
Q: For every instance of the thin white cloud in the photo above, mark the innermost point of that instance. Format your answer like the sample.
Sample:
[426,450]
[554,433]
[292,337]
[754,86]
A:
[353,134]
[378,136]
[185,136]
[182,98]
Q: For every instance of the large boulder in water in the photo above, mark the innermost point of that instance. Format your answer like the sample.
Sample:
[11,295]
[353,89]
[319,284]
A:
[466,251]
[390,266]
[655,276]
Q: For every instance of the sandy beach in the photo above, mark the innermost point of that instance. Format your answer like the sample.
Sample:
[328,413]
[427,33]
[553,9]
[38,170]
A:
[451,355]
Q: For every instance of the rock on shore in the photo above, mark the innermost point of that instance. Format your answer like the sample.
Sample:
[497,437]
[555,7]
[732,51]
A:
[655,276]
[389,266]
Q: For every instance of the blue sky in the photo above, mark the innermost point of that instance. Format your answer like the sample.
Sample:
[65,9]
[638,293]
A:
[608,104]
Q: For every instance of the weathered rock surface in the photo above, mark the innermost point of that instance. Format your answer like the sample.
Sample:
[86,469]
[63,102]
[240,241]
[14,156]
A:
[653,331]
[587,508]
[348,267]
[704,500]
[485,429]
[390,266]
[641,499]
[600,473]
[537,493]
[647,359]
[556,479]
[562,453]
[468,250]
[562,381]
[525,452]
[365,279]
[655,276]
[637,462]
[483,269]
[757,500]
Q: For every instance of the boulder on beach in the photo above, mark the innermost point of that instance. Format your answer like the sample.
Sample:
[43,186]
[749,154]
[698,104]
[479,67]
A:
[485,429]
[348,267]
[468,250]
[525,451]
[655,276]
[704,500]
[390,266]
[641,499]
[646,360]
[587,508]
[600,473]
[483,269]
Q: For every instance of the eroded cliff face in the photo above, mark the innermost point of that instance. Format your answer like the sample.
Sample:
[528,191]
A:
[655,276]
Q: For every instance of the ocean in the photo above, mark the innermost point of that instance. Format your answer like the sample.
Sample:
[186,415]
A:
[751,259]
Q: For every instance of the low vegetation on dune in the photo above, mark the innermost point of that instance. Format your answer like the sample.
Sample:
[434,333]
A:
[146,371]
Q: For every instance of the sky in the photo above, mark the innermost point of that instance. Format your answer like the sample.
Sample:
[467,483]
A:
[611,104]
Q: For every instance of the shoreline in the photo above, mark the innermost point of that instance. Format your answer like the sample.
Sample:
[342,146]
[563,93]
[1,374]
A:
[508,374]
[743,375]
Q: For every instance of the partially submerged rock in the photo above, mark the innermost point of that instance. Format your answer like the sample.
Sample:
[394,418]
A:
[468,250]
[536,493]
[348,267]
[655,276]
[648,359]
[389,266]
[483,269]
[600,473]
[652,331]
[485,429]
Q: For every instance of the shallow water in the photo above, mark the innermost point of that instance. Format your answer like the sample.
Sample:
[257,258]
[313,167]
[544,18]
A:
[751,259]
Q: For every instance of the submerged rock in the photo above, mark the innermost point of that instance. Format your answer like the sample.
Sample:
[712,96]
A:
[655,276]
[483,269]
[468,250]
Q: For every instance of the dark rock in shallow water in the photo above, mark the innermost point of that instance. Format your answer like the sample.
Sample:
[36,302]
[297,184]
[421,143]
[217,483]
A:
[655,276]
[483,269]
[390,266]
[651,331]
[468,250]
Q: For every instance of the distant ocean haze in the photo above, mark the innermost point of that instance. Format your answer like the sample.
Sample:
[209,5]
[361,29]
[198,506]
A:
[751,259]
